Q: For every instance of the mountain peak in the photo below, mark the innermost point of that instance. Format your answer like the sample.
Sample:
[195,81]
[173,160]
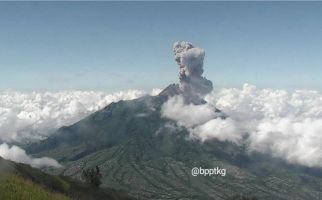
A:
[174,89]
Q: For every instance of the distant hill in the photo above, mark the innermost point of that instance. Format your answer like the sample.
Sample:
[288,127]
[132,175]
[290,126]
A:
[151,158]
[22,182]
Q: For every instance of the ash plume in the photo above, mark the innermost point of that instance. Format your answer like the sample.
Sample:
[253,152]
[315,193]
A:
[190,61]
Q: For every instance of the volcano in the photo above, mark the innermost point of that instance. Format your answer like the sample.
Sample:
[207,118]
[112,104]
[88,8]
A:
[151,157]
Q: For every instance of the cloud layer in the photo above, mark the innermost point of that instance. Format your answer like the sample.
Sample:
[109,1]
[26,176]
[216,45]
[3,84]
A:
[285,124]
[19,155]
[32,116]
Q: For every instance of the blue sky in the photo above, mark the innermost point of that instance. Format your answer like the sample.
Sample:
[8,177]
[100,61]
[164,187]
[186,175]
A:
[114,46]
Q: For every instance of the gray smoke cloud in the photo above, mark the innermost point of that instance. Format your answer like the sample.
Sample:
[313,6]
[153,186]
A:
[190,61]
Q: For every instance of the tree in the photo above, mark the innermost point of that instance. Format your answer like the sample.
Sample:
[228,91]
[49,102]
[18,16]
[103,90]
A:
[92,176]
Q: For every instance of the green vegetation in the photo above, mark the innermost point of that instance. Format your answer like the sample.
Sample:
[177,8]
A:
[14,187]
[22,182]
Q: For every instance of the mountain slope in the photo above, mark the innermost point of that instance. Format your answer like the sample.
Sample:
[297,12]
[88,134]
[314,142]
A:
[151,158]
[20,181]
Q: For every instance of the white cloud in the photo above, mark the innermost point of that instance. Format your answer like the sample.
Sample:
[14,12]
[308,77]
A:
[32,116]
[16,154]
[201,120]
[187,115]
[285,124]
[222,129]
[155,91]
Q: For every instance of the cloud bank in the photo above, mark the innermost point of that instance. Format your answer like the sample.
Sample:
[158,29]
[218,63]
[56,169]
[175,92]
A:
[32,116]
[285,124]
[202,120]
[19,155]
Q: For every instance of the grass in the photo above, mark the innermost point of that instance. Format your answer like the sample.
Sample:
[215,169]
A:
[22,182]
[13,187]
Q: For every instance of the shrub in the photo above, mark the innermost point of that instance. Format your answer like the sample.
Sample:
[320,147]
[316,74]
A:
[92,176]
